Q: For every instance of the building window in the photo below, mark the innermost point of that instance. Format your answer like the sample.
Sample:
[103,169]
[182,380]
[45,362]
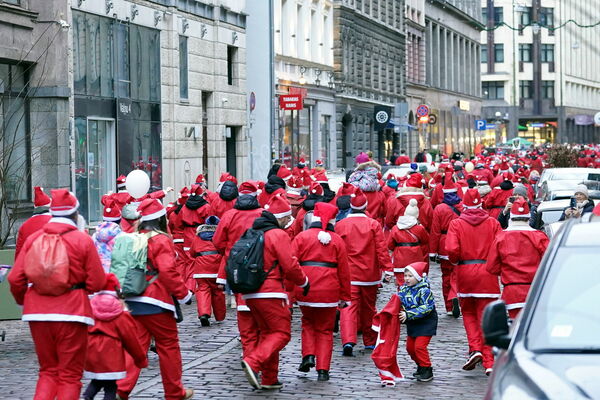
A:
[548,89]
[547,17]
[498,15]
[15,2]
[484,54]
[325,138]
[525,52]
[14,124]
[547,51]
[183,67]
[525,16]
[231,64]
[484,14]
[526,89]
[499,52]
[493,90]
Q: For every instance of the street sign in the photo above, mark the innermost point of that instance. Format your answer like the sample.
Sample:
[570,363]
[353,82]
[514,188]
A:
[480,124]
[301,91]
[422,110]
[490,126]
[252,101]
[538,125]
[597,118]
[291,102]
[382,117]
[432,119]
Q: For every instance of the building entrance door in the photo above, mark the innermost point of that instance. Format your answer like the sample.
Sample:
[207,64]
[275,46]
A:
[100,166]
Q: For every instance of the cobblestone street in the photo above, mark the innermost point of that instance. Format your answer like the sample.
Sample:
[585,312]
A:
[211,364]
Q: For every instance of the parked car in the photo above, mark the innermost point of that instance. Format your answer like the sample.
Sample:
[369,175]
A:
[403,169]
[549,212]
[564,189]
[553,348]
[577,175]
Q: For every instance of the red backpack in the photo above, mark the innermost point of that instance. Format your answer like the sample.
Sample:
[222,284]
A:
[47,265]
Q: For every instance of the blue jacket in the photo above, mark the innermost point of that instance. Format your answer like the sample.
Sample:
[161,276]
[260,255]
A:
[419,305]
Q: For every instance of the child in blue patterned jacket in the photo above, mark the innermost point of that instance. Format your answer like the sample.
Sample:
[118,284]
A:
[420,317]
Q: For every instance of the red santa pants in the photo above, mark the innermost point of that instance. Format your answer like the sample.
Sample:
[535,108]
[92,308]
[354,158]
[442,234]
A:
[185,266]
[472,311]
[61,349]
[210,298]
[274,323]
[448,283]
[317,334]
[163,328]
[248,331]
[359,315]
[416,347]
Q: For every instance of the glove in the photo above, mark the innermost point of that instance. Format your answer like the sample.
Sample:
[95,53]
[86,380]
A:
[342,304]
[306,289]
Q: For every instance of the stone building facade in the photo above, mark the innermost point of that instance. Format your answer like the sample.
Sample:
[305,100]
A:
[369,65]
[116,85]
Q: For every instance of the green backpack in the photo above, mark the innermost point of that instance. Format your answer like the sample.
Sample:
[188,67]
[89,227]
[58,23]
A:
[129,260]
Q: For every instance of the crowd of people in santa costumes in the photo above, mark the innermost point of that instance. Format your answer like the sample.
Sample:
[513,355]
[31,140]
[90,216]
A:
[326,253]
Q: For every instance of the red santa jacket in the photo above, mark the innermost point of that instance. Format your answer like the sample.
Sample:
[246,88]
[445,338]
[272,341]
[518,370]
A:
[387,325]
[220,207]
[331,282]
[376,206]
[29,227]
[515,256]
[264,196]
[161,257]
[409,243]
[207,258]
[367,256]
[467,243]
[85,267]
[277,248]
[397,205]
[443,214]
[496,200]
[113,334]
[193,215]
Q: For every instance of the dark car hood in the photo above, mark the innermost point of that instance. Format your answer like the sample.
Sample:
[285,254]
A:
[580,371]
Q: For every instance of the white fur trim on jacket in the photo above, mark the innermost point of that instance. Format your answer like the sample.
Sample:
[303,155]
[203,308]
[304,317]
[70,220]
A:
[152,301]
[265,295]
[221,281]
[356,215]
[205,275]
[361,283]
[187,298]
[319,305]
[62,220]
[410,194]
[243,308]
[58,318]
[515,306]
[376,328]
[105,376]
[480,295]
[305,283]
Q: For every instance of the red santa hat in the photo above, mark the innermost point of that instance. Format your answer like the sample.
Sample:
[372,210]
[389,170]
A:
[347,189]
[414,181]
[321,177]
[200,179]
[121,181]
[151,209]
[520,209]
[449,185]
[112,286]
[284,173]
[111,212]
[302,162]
[295,182]
[358,200]
[40,199]
[315,188]
[417,269]
[324,213]
[248,188]
[472,199]
[196,190]
[279,206]
[226,176]
[184,193]
[319,163]
[63,203]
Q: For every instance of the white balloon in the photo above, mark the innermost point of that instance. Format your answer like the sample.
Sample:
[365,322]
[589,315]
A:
[137,183]
[469,167]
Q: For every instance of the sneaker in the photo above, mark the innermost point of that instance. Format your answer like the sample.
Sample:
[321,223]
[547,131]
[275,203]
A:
[322,375]
[275,386]
[204,320]
[426,374]
[488,371]
[250,375]
[418,371]
[475,357]
[388,383]
[307,363]
[449,313]
[455,308]
[189,393]
[371,347]
[347,351]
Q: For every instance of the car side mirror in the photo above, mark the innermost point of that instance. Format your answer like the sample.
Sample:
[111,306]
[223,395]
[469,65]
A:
[495,325]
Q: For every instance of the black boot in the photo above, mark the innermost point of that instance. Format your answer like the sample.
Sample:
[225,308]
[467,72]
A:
[455,308]
[204,320]
[336,325]
[426,374]
[322,375]
[348,349]
[307,363]
[418,372]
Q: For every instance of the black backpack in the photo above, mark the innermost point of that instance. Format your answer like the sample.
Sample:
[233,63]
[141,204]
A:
[245,265]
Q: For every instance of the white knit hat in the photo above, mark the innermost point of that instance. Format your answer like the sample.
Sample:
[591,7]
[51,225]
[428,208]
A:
[412,210]
[582,189]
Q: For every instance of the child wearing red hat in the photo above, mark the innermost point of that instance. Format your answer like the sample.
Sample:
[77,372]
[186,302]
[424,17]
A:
[112,334]
[420,317]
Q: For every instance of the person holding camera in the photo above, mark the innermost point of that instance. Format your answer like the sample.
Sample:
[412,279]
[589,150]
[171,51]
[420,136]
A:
[519,193]
[580,204]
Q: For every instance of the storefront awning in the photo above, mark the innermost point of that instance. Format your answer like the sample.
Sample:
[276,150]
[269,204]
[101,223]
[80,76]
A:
[523,128]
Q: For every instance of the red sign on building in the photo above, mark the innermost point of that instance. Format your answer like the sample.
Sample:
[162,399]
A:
[291,102]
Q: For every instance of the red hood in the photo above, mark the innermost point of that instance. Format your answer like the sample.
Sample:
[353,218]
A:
[474,216]
[106,307]
[57,227]
[405,199]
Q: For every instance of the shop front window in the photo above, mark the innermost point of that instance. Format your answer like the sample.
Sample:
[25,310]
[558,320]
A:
[325,138]
[295,136]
